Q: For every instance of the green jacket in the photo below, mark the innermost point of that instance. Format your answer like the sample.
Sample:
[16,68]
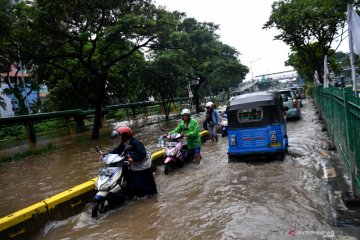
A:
[193,130]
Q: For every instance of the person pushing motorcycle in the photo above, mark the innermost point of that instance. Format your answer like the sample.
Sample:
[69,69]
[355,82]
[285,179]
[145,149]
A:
[191,130]
[141,181]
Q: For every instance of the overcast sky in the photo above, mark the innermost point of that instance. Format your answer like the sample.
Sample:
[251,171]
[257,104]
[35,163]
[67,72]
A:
[241,24]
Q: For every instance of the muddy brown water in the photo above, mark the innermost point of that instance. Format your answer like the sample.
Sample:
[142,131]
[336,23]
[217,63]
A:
[215,200]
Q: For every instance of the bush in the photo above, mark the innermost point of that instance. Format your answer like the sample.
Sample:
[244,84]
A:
[50,125]
[309,88]
[120,114]
[12,132]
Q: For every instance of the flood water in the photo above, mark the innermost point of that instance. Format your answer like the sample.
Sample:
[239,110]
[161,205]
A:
[215,200]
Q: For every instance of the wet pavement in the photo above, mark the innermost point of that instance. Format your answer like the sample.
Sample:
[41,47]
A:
[215,200]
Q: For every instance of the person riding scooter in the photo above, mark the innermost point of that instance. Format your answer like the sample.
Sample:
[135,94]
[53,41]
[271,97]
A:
[191,130]
[141,181]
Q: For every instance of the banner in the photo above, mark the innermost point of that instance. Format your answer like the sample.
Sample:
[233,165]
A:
[326,73]
[354,25]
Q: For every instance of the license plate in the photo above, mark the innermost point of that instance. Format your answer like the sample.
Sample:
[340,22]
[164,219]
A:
[276,144]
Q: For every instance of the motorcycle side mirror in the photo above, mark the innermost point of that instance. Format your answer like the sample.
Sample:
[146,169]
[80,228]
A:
[114,134]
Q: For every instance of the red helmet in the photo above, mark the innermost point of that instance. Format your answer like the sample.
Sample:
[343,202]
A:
[126,130]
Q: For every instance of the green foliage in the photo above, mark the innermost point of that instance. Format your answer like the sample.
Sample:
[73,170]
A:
[304,23]
[120,114]
[11,24]
[309,86]
[90,46]
[50,125]
[196,49]
[303,64]
[12,132]
[164,77]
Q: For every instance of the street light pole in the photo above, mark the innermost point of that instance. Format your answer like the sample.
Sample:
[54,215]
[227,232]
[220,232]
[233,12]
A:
[251,68]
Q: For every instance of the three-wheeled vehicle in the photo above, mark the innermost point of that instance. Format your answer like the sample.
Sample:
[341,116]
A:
[257,125]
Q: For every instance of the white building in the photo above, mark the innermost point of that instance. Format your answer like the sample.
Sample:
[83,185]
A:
[7,112]
[28,2]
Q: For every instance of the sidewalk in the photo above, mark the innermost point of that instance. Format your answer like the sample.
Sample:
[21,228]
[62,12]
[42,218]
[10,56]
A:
[345,209]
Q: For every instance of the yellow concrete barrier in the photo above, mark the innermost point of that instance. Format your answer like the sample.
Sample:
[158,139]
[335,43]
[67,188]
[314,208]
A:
[70,202]
[26,223]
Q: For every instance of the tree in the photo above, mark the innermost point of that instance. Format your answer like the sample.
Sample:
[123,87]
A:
[302,23]
[226,70]
[303,65]
[2,103]
[88,40]
[165,78]
[203,53]
[10,56]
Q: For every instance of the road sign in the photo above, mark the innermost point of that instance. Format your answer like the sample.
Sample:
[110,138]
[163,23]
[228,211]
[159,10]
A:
[191,94]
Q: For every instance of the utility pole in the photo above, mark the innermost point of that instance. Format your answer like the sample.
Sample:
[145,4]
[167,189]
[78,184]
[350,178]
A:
[251,67]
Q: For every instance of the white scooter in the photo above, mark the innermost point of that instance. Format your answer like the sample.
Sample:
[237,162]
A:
[111,182]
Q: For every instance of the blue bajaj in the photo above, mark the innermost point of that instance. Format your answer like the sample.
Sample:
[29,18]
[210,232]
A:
[257,126]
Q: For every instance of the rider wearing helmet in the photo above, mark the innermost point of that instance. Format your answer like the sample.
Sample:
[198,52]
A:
[190,128]
[141,180]
[212,121]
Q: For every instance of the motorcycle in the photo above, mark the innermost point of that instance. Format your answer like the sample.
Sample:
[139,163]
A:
[224,125]
[176,152]
[111,182]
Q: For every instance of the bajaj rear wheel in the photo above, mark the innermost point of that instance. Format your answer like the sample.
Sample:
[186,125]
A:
[231,158]
[280,156]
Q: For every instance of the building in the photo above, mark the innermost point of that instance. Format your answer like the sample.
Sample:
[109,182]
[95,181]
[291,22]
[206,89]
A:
[28,2]
[22,78]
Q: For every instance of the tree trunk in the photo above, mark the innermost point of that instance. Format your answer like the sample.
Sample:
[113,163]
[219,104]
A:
[98,108]
[196,97]
[23,110]
[166,105]
[97,121]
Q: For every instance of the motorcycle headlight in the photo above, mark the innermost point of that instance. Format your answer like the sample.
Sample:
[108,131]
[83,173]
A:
[106,185]
[107,171]
[171,153]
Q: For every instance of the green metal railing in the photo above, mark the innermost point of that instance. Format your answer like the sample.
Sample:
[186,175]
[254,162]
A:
[340,110]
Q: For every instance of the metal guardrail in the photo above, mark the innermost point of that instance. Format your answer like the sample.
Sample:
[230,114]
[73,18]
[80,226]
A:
[340,110]
[74,114]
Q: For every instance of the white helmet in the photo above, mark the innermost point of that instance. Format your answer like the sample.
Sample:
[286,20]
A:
[209,104]
[185,111]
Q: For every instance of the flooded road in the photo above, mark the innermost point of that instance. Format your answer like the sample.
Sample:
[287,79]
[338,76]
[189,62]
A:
[215,200]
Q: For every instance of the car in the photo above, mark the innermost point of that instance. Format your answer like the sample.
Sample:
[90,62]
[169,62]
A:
[291,101]
[301,92]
